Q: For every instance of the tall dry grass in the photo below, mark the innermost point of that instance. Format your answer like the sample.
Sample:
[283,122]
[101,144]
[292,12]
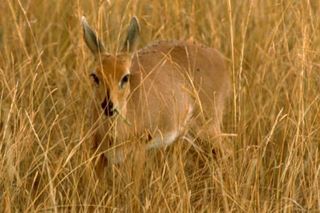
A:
[272,50]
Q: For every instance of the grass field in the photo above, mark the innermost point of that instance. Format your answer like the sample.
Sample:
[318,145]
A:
[272,50]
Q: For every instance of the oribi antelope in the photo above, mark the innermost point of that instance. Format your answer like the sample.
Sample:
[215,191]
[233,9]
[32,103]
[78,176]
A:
[163,92]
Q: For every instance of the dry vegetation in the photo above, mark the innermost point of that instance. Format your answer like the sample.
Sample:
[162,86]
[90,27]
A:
[272,50]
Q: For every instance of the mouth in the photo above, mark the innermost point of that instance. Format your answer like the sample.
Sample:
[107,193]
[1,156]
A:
[108,113]
[111,113]
[108,108]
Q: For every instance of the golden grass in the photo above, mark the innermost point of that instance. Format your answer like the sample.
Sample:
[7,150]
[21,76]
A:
[273,53]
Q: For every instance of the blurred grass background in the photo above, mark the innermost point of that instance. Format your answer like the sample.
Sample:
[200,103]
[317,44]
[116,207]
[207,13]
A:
[272,50]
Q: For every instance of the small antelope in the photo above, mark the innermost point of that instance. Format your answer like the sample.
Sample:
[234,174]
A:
[165,91]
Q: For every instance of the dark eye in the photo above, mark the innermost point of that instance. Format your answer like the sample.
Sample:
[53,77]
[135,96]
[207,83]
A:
[95,78]
[124,80]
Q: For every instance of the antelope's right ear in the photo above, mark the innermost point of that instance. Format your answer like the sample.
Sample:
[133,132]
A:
[131,41]
[92,41]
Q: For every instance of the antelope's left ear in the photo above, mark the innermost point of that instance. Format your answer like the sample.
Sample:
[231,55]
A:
[91,39]
[131,42]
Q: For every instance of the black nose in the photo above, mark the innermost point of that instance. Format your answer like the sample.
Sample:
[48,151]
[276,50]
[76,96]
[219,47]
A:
[107,107]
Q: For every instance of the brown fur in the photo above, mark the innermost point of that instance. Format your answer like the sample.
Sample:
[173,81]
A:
[175,88]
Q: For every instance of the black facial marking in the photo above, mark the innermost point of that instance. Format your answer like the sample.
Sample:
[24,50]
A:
[95,78]
[107,105]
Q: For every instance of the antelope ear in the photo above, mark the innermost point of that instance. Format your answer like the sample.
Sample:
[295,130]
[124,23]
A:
[131,41]
[92,41]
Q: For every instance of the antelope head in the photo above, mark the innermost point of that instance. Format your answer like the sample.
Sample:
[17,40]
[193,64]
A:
[111,76]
